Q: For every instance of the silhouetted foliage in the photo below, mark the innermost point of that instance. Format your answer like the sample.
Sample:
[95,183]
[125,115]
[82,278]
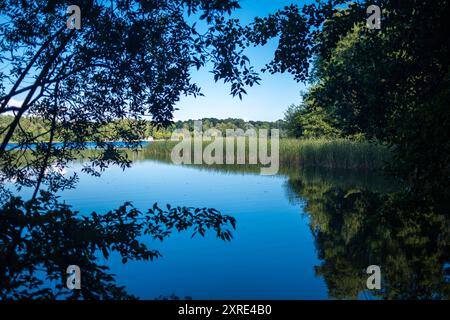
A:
[134,58]
[390,84]
[40,238]
[130,59]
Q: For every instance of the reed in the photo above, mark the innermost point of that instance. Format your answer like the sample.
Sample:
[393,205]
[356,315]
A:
[334,154]
[317,153]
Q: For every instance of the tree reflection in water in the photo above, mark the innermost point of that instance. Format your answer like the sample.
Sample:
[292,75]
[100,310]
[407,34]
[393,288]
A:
[40,239]
[357,220]
[360,219]
[355,227]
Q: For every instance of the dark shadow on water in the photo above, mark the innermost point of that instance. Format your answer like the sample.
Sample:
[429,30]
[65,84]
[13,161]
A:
[355,226]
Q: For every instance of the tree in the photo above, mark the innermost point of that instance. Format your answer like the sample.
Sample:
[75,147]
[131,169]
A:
[291,118]
[130,59]
[393,85]
[351,85]
[389,84]
[309,121]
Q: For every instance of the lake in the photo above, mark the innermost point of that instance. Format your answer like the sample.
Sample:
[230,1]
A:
[302,234]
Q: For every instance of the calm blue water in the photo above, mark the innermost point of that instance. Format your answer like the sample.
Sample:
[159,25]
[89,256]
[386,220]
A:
[88,145]
[275,253]
[272,255]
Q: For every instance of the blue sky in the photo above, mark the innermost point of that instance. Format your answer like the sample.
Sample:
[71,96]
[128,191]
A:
[268,101]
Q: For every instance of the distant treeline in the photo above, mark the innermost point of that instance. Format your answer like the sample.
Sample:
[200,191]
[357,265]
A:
[38,127]
[230,123]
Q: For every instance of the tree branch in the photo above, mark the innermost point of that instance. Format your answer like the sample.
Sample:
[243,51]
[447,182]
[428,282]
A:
[12,92]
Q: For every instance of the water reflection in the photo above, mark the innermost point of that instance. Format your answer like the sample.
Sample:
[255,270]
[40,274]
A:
[360,219]
[39,239]
[357,219]
[357,226]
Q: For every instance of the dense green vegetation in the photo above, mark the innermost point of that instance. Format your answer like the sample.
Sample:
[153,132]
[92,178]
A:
[336,153]
[37,127]
[320,153]
[390,85]
[212,123]
[303,121]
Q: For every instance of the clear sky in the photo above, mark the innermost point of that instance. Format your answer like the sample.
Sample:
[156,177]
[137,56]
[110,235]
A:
[266,101]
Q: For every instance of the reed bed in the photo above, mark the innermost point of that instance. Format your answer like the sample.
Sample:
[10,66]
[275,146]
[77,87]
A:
[316,153]
[334,154]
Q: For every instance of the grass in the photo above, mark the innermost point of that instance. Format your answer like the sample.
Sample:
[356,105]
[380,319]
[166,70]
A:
[334,154]
[316,153]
